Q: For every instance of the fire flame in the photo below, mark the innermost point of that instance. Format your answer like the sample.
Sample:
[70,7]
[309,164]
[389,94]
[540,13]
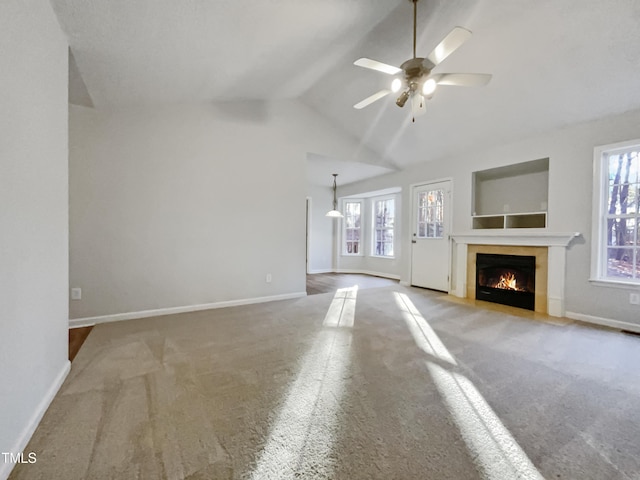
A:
[508,282]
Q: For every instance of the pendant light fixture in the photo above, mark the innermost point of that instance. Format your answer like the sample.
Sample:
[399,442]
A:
[335,213]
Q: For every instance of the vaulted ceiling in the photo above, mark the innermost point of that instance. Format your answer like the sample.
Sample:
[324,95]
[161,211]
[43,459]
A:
[554,62]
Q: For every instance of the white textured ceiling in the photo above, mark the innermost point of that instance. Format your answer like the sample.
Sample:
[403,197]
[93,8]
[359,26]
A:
[555,62]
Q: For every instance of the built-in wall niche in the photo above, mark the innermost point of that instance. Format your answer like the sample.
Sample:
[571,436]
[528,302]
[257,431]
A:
[512,196]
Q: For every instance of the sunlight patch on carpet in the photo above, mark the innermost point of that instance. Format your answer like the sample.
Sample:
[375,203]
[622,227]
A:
[495,452]
[342,309]
[422,332]
[300,444]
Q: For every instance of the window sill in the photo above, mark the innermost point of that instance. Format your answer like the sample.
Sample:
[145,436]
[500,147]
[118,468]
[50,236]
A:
[599,282]
[383,257]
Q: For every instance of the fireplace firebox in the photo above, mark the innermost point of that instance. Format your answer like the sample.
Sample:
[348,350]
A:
[506,279]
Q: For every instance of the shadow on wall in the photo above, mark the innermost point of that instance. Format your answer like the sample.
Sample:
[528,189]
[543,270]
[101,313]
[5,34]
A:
[245,111]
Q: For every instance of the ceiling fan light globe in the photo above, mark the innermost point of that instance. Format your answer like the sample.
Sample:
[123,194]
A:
[429,87]
[396,85]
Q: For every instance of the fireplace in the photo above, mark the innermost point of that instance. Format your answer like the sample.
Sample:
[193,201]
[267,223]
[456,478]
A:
[506,279]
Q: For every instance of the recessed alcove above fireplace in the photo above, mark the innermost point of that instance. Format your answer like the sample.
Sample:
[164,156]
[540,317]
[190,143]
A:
[512,196]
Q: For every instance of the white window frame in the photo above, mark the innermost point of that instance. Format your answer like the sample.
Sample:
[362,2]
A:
[598,274]
[374,201]
[344,228]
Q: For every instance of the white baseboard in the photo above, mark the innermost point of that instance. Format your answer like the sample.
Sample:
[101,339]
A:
[88,321]
[27,433]
[368,272]
[555,306]
[320,270]
[607,322]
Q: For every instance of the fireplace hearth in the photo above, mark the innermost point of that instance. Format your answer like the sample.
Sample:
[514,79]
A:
[506,279]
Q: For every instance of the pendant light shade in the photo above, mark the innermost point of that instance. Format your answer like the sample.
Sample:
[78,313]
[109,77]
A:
[335,213]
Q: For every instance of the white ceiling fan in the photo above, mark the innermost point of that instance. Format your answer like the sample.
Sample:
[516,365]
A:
[414,76]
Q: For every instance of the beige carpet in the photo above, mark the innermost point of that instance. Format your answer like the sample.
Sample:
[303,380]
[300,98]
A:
[382,383]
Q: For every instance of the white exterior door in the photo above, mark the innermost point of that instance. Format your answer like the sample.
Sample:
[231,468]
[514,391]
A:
[430,247]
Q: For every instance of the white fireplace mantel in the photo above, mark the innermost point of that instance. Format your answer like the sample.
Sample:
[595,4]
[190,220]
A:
[557,244]
[531,239]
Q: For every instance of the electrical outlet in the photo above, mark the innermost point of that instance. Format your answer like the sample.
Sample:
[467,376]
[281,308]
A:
[268,279]
[506,208]
[76,293]
[634,298]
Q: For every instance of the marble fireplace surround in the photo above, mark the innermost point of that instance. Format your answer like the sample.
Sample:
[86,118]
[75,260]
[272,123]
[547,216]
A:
[550,250]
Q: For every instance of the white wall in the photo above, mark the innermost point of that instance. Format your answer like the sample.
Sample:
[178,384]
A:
[321,238]
[570,153]
[33,218]
[191,205]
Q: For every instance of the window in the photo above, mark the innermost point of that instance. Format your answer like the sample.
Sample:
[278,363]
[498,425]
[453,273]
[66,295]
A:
[431,214]
[383,220]
[352,227]
[616,250]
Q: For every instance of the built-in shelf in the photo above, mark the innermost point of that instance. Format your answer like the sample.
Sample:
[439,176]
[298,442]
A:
[521,187]
[511,220]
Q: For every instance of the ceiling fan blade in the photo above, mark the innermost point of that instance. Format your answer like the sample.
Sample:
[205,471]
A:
[462,79]
[379,66]
[371,99]
[448,45]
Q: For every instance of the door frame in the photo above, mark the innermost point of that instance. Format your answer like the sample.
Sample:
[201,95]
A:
[449,218]
[308,236]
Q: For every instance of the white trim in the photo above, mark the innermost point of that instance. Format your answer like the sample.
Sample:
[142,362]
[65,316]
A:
[309,206]
[427,182]
[87,321]
[615,284]
[392,276]
[375,193]
[556,244]
[607,322]
[36,417]
[405,284]
[509,237]
[600,194]
[320,270]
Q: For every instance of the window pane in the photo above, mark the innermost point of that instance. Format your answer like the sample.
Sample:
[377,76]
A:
[351,227]
[383,225]
[422,200]
[623,168]
[620,262]
[620,238]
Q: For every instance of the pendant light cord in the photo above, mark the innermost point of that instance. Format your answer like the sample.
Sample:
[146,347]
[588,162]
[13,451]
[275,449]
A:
[335,200]
[415,14]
